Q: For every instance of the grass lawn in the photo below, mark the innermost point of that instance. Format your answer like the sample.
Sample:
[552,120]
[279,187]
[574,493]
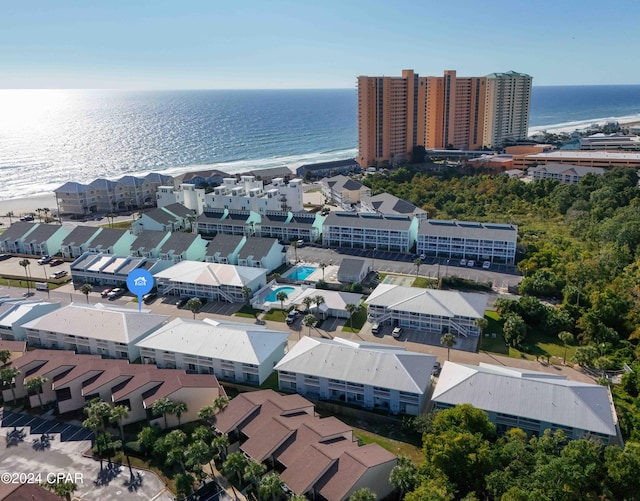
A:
[248,312]
[121,225]
[358,320]
[271,383]
[425,283]
[275,315]
[535,344]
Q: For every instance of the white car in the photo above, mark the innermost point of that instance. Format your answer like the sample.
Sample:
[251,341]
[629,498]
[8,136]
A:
[471,263]
[463,262]
[397,332]
[486,265]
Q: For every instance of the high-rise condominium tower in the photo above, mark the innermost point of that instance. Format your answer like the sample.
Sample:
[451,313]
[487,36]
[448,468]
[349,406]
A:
[396,114]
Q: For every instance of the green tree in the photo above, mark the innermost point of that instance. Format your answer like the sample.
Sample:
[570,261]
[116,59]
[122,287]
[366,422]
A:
[514,330]
[118,414]
[162,407]
[309,321]
[246,292]
[194,304]
[463,418]
[253,472]
[8,376]
[448,340]
[5,356]
[178,409]
[147,438]
[322,266]
[364,494]
[61,489]
[25,263]
[622,467]
[220,445]
[307,301]
[351,309]
[294,245]
[282,296]
[272,486]
[318,300]
[199,453]
[175,447]
[34,385]
[235,465]
[481,323]
[417,262]
[566,338]
[404,475]
[184,484]
[86,289]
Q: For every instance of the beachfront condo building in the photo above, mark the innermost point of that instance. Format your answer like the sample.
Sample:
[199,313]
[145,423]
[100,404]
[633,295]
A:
[398,114]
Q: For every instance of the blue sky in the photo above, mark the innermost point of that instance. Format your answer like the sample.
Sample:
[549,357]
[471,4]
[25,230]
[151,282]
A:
[151,44]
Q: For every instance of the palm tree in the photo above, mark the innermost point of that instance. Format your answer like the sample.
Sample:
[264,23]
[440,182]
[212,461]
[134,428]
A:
[39,211]
[282,296]
[46,211]
[25,263]
[253,472]
[417,262]
[351,309]
[322,266]
[309,321]
[318,300]
[178,408]
[246,291]
[86,289]
[294,244]
[235,465]
[481,323]
[34,385]
[8,376]
[5,356]
[175,442]
[9,215]
[307,301]
[404,475]
[220,403]
[448,340]
[566,338]
[271,486]
[61,489]
[118,414]
[162,407]
[220,445]
[199,453]
[194,304]
[364,494]
[206,413]
[110,217]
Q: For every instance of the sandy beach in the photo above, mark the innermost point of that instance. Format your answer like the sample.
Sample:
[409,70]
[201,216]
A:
[568,129]
[22,206]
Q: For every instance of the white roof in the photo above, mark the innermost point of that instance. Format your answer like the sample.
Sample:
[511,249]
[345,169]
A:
[429,301]
[334,300]
[20,309]
[212,274]
[371,364]
[236,342]
[99,321]
[549,398]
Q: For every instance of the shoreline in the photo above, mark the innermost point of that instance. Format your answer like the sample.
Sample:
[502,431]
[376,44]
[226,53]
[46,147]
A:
[581,125]
[25,205]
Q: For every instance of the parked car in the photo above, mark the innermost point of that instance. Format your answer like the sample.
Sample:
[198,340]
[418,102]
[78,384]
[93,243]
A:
[56,262]
[105,292]
[59,274]
[436,369]
[291,317]
[300,243]
[4,257]
[182,302]
[45,259]
[486,265]
[423,257]
[463,262]
[149,298]
[115,293]
[471,263]
[397,332]
[26,218]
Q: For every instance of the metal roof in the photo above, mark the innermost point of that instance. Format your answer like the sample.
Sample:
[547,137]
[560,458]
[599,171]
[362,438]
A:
[535,395]
[469,229]
[212,274]
[233,341]
[364,220]
[370,364]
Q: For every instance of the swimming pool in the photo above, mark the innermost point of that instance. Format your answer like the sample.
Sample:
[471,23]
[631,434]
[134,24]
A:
[301,272]
[271,298]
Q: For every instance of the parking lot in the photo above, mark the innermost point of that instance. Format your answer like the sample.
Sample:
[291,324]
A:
[27,452]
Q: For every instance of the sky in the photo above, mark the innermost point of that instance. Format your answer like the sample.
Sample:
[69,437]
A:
[260,44]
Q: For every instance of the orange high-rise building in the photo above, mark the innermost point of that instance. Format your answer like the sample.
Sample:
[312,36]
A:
[396,114]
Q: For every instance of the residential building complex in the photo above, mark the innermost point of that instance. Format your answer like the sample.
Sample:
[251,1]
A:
[237,352]
[328,169]
[530,400]
[469,240]
[371,375]
[318,457]
[344,191]
[186,194]
[583,158]
[397,114]
[565,173]
[610,142]
[431,310]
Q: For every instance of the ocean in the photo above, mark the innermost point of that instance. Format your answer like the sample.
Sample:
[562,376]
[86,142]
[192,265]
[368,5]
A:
[48,137]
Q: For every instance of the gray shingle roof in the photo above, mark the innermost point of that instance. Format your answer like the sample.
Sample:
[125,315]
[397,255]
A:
[386,203]
[160,216]
[71,187]
[16,231]
[43,232]
[179,210]
[148,240]
[257,247]
[224,244]
[80,235]
[469,229]
[178,242]
[107,237]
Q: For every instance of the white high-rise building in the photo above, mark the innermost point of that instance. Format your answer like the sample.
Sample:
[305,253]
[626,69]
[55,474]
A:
[186,194]
[250,194]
